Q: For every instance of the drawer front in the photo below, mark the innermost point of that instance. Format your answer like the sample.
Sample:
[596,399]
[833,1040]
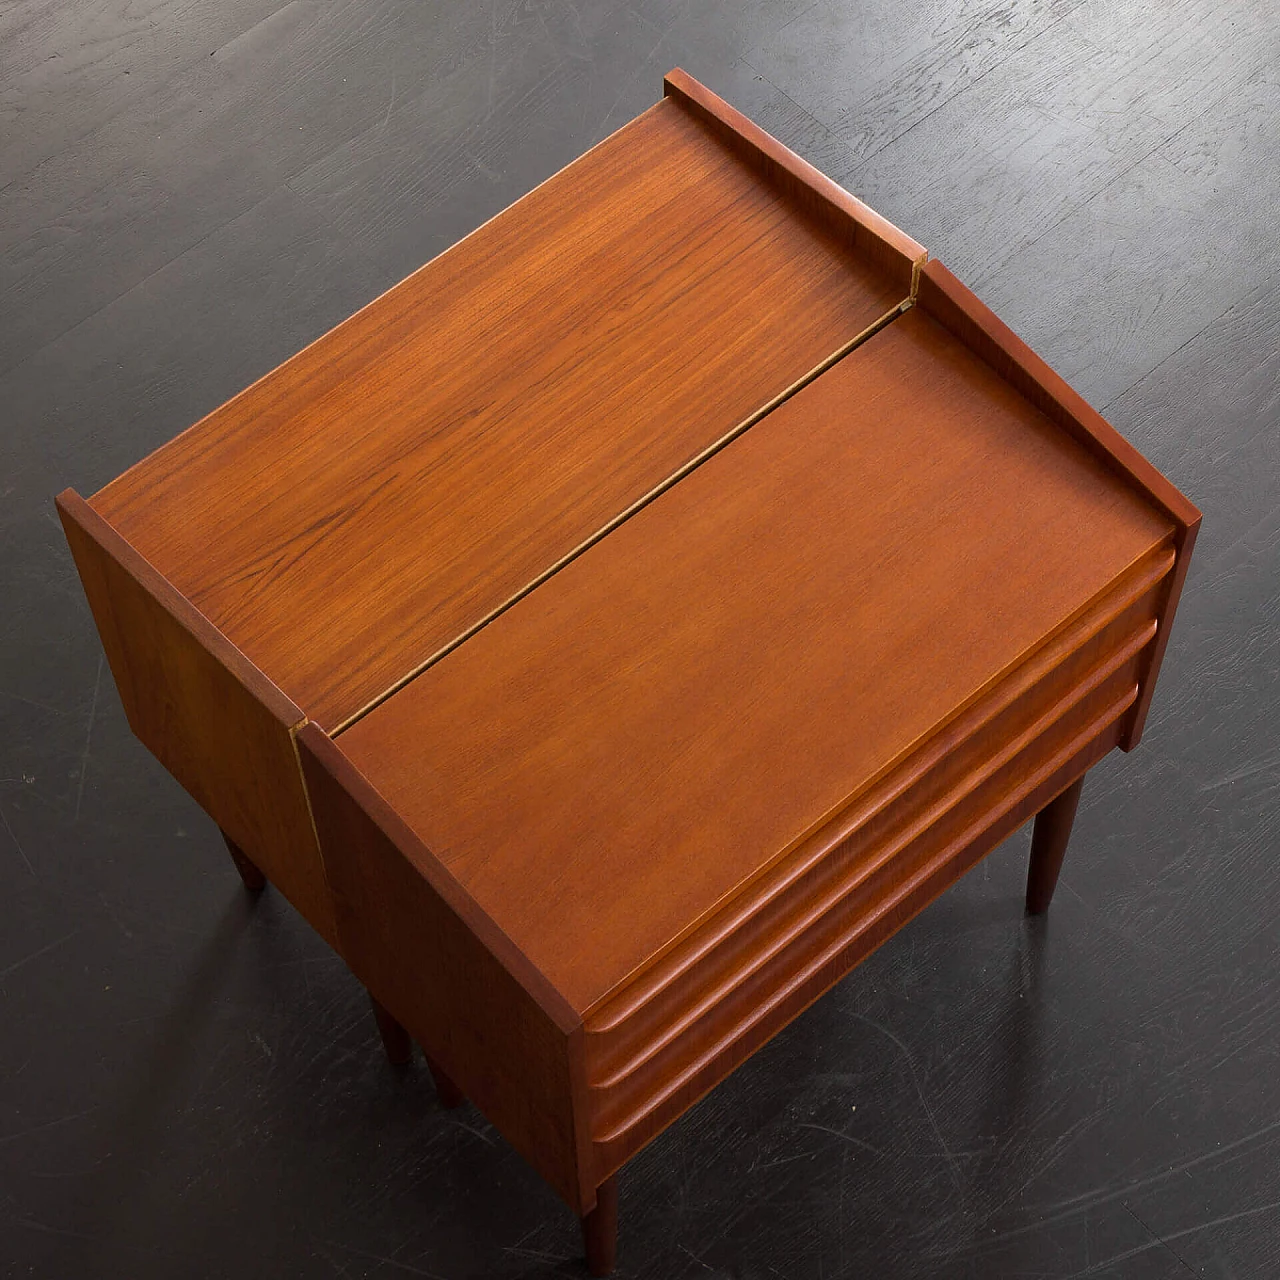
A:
[655,1046]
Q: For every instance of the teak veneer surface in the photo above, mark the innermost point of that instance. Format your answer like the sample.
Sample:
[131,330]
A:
[385,489]
[643,733]
[221,728]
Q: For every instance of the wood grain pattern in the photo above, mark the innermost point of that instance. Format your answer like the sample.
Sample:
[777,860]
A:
[948,300]
[362,505]
[446,972]
[291,72]
[1044,151]
[869,233]
[1127,269]
[202,708]
[962,312]
[709,758]
[674,709]
[875,73]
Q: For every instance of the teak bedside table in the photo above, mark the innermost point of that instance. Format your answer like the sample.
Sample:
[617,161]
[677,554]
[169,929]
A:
[613,633]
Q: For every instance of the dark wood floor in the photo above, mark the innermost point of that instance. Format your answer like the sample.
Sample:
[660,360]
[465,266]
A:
[191,1086]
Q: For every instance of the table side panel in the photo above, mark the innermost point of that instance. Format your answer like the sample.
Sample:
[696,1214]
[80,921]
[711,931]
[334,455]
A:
[1149,673]
[364,504]
[954,305]
[874,235]
[445,971]
[207,714]
[946,299]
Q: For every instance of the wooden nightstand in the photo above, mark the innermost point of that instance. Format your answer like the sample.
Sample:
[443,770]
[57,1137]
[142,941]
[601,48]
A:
[613,633]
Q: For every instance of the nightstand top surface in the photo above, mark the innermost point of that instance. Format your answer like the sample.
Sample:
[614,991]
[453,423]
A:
[653,726]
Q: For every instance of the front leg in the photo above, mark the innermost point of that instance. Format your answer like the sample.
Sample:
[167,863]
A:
[600,1229]
[449,1094]
[253,878]
[1049,845]
[395,1039]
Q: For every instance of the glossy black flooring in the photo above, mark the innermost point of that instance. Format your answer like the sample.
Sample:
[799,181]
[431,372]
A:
[191,1084]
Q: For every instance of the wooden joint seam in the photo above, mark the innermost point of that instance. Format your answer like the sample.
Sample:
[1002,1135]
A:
[623,516]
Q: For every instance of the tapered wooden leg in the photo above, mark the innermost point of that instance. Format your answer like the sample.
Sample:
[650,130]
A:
[395,1039]
[600,1229]
[449,1094]
[1048,845]
[253,879]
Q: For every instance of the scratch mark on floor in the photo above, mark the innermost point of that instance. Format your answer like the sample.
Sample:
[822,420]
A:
[339,1268]
[31,702]
[384,1260]
[35,955]
[696,1259]
[1159,1241]
[835,1133]
[484,1137]
[1094,1198]
[390,103]
[924,1101]
[1067,886]
[115,919]
[1057,1149]
[1268,763]
[88,739]
[773,1164]
[493,54]
[540,1254]
[48,1124]
[630,80]
[1086,1202]
[17,844]
[1155,1235]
